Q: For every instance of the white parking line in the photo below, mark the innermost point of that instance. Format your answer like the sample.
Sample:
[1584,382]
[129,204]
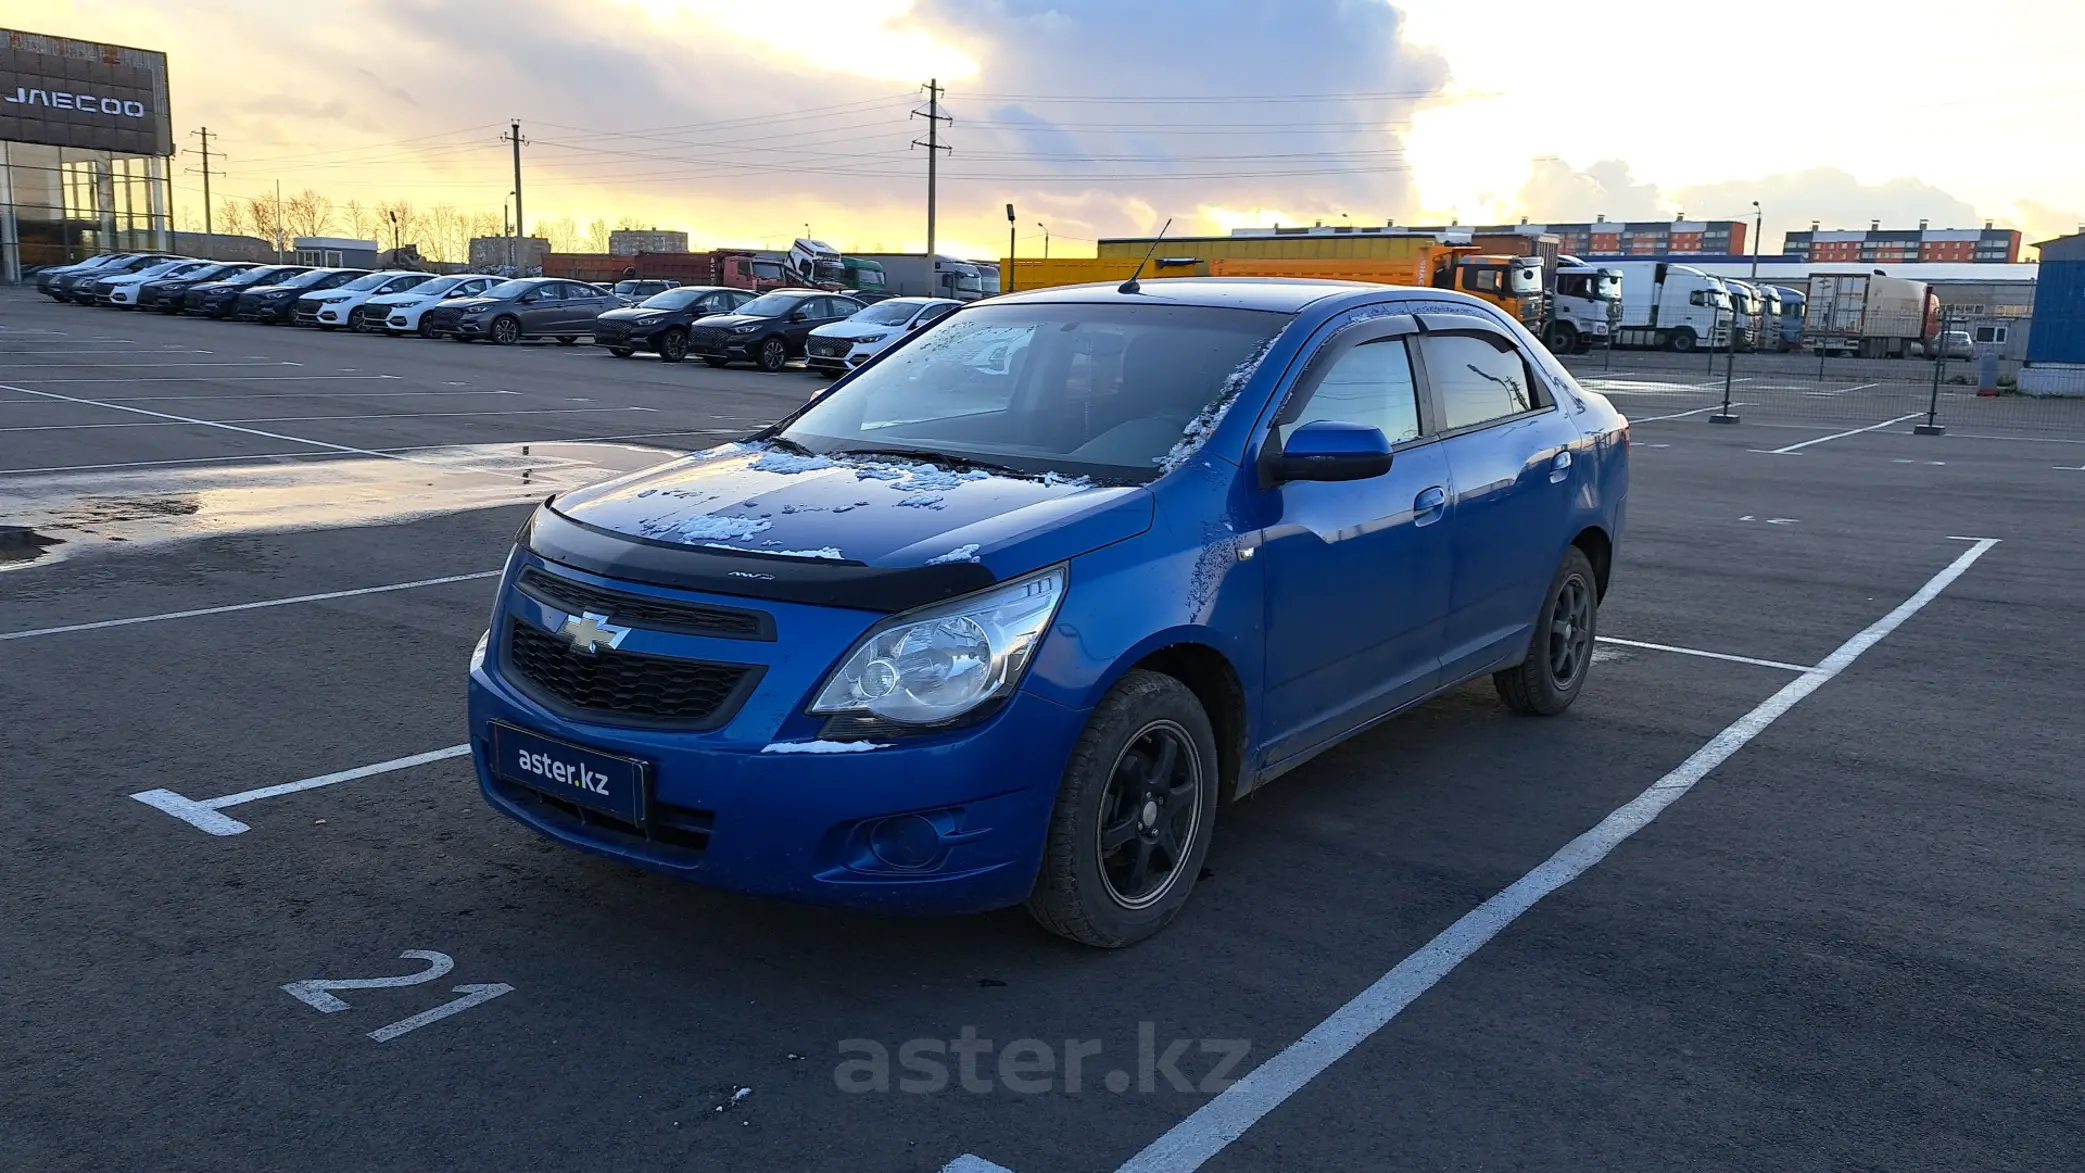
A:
[1630,643]
[257,605]
[305,419]
[1844,390]
[267,396]
[1842,435]
[1212,1127]
[1651,419]
[73,366]
[224,379]
[202,813]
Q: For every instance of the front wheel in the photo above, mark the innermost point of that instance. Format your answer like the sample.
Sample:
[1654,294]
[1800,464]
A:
[774,355]
[1560,652]
[1561,338]
[358,321]
[673,345]
[506,332]
[1133,818]
[1682,340]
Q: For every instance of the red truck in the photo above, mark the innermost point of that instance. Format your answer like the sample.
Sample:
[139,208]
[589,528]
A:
[732,267]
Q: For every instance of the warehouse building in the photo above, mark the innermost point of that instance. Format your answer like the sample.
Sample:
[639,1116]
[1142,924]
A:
[628,242]
[1898,246]
[1598,239]
[85,141]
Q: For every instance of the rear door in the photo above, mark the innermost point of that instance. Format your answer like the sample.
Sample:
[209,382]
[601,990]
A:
[1511,477]
[1358,572]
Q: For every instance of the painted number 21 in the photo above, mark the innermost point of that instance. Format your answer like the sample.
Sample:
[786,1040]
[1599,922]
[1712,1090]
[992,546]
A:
[317,993]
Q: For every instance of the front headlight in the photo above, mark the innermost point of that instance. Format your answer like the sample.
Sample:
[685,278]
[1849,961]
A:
[648,319]
[745,329]
[935,665]
[478,653]
[870,338]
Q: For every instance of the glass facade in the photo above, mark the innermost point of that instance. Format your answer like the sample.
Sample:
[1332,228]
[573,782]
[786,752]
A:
[63,204]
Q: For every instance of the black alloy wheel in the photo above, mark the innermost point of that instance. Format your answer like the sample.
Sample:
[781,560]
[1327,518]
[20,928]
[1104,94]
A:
[774,355]
[1149,810]
[1560,650]
[673,345]
[506,332]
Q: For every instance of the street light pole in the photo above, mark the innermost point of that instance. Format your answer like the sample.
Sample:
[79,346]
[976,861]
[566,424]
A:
[1758,226]
[1046,238]
[1007,284]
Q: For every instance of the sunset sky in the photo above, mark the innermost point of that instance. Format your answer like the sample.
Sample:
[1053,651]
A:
[1105,117]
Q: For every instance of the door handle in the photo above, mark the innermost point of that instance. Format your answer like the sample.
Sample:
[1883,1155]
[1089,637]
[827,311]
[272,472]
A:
[1429,505]
[1560,468]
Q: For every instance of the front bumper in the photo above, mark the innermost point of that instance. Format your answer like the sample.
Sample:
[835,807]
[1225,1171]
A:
[256,310]
[796,825]
[328,315]
[721,345]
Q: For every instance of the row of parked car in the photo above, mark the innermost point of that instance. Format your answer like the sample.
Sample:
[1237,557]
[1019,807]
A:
[831,332]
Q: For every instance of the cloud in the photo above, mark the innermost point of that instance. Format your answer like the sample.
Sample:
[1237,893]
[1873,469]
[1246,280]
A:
[1557,192]
[1830,196]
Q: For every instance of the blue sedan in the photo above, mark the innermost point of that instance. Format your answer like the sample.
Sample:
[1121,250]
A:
[1006,615]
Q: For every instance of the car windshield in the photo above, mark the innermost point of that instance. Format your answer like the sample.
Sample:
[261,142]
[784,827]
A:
[252,276]
[887,313]
[302,280]
[435,285]
[1104,390]
[770,305]
[674,299]
[369,282]
[509,290]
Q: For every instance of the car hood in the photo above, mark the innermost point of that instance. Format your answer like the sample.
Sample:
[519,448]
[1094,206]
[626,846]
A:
[879,511]
[727,321]
[396,299]
[465,303]
[631,313]
[853,331]
[270,289]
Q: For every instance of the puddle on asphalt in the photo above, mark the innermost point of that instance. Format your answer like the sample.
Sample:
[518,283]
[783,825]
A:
[53,517]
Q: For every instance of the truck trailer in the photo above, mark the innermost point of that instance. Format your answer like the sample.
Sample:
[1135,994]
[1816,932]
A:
[917,275]
[1871,315]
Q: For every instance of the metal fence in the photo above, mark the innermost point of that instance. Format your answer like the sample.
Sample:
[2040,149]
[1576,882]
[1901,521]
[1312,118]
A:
[1970,389]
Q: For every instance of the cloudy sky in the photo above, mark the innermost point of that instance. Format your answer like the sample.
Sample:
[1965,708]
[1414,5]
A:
[744,122]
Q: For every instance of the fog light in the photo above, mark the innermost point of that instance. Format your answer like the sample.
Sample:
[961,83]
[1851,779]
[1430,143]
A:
[905,841]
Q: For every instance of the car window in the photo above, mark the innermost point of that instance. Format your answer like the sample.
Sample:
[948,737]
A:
[1475,379]
[1370,385]
[935,313]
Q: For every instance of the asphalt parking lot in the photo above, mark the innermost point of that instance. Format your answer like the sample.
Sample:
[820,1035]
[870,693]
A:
[1840,669]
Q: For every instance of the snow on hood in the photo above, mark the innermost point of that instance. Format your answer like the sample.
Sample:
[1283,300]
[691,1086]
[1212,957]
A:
[752,498]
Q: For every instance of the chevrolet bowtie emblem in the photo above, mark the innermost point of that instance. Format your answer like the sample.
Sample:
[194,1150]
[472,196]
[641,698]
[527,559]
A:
[590,632]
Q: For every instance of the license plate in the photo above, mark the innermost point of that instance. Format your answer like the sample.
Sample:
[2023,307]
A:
[595,780]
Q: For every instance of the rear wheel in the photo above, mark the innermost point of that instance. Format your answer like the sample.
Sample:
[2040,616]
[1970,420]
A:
[1560,652]
[506,332]
[673,345]
[1133,816]
[774,355]
[713,360]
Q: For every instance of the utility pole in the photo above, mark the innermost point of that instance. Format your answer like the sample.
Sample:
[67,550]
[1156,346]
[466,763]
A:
[1012,248]
[1758,225]
[209,233]
[934,146]
[514,137]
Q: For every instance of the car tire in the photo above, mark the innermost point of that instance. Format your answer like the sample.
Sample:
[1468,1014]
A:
[424,330]
[713,360]
[1108,793]
[1560,338]
[1560,650]
[773,355]
[622,351]
[568,340]
[1681,341]
[505,331]
[673,345]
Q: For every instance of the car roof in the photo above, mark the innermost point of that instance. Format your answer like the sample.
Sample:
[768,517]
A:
[1279,294]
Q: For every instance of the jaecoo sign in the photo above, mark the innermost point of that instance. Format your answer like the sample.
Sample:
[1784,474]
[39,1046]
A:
[86,103]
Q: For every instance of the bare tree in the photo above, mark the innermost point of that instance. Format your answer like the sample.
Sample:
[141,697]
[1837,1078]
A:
[632,224]
[308,213]
[266,216]
[447,234]
[562,233]
[231,217]
[597,236]
[402,219]
[363,222]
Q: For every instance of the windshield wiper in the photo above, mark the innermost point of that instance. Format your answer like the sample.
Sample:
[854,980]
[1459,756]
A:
[929,457]
[785,442]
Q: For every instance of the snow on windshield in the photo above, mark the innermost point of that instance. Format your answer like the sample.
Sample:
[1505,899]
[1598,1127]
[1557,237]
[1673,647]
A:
[1200,428]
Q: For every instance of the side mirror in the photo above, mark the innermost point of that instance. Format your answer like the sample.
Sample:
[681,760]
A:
[1330,450]
[799,316]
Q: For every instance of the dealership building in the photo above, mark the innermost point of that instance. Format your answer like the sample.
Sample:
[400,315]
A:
[86,140]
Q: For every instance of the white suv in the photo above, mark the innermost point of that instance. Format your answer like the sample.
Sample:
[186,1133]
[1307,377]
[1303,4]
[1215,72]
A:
[330,309]
[399,313]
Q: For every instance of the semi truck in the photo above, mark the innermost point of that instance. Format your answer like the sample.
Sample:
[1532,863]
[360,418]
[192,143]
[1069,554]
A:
[1047,273]
[1671,307]
[1871,315]
[1585,304]
[1789,330]
[918,275]
[1747,314]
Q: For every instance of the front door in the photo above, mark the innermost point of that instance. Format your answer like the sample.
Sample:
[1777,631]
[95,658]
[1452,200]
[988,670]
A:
[1511,479]
[1357,572]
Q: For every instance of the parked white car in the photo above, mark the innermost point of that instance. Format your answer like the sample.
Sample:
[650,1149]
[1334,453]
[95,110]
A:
[842,346]
[122,289]
[399,313]
[342,305]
